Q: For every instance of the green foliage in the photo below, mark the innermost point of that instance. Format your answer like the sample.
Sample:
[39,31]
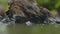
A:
[57,4]
[50,4]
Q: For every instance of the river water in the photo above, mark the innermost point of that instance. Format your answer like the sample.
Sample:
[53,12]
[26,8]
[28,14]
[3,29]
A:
[33,29]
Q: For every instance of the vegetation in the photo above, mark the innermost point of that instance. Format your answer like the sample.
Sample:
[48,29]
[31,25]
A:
[50,4]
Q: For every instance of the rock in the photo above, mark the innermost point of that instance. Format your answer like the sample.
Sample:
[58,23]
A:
[20,19]
[1,18]
[27,10]
[57,20]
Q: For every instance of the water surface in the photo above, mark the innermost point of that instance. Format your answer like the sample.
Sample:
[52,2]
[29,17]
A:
[34,29]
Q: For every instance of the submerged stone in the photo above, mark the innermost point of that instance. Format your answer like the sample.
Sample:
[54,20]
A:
[57,20]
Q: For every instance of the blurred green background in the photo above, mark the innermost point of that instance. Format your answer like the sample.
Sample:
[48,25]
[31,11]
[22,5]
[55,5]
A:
[50,4]
[4,3]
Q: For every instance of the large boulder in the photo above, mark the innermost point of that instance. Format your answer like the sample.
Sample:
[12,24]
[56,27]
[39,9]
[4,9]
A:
[28,10]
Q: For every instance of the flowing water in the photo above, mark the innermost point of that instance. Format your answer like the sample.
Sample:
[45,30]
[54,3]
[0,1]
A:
[33,29]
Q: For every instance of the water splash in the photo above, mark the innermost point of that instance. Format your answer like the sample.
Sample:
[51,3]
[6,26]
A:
[28,23]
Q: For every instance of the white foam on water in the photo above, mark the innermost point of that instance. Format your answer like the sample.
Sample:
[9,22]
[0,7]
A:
[28,23]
